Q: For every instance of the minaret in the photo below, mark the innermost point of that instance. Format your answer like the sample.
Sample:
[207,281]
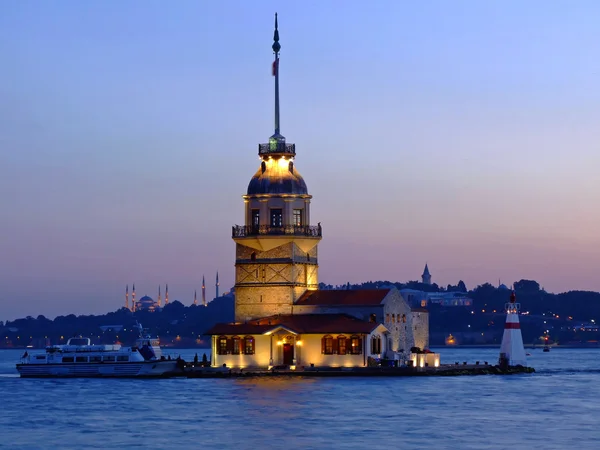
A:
[195,298]
[512,351]
[203,291]
[133,299]
[166,294]
[217,285]
[276,248]
[158,300]
[127,296]
[426,277]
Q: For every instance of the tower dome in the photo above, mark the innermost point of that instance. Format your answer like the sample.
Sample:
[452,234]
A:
[277,176]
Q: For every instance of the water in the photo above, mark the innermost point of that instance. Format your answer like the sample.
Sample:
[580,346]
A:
[555,408]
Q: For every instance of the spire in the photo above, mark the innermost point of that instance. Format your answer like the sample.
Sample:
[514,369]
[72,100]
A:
[195,298]
[166,294]
[276,146]
[158,300]
[127,296]
[217,285]
[203,291]
[133,299]
[276,47]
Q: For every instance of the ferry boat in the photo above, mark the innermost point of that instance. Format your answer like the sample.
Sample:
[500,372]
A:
[80,358]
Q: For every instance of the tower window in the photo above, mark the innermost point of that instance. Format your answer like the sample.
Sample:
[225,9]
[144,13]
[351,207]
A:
[253,256]
[298,217]
[276,218]
[263,166]
[255,218]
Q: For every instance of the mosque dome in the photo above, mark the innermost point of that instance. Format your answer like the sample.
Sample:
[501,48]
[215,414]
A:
[277,176]
[503,287]
[146,299]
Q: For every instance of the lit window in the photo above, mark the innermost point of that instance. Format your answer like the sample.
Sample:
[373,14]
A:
[393,318]
[341,345]
[276,218]
[355,345]
[327,345]
[255,218]
[236,345]
[298,217]
[387,318]
[403,318]
[222,345]
[249,345]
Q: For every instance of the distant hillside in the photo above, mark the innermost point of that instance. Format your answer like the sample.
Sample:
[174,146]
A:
[176,324]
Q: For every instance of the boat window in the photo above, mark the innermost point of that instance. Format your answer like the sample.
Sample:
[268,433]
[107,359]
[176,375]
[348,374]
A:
[81,359]
[95,358]
[68,359]
[122,358]
[108,358]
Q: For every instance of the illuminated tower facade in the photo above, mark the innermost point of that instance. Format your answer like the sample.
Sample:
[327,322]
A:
[127,296]
[158,300]
[276,248]
[166,294]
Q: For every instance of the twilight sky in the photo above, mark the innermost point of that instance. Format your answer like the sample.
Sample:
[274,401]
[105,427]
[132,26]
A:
[463,134]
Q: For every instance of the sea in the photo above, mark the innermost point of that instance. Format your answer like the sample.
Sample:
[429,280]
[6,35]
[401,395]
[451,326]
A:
[557,407]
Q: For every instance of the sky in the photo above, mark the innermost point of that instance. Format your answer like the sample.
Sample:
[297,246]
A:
[462,134]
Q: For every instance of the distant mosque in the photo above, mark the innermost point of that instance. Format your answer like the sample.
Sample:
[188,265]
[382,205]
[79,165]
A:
[281,318]
[147,303]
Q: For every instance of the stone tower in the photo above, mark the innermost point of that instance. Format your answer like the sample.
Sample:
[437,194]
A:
[426,277]
[276,248]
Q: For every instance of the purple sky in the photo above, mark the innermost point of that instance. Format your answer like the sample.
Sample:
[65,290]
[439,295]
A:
[464,134]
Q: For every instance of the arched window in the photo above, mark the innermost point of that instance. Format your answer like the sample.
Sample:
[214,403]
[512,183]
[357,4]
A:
[222,345]
[387,318]
[355,345]
[253,256]
[342,345]
[327,345]
[236,348]
[376,345]
[403,318]
[393,318]
[248,345]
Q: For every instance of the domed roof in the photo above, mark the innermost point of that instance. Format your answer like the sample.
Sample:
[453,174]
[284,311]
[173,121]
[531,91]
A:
[277,176]
[146,299]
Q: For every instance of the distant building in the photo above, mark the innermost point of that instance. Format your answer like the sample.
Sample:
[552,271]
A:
[426,277]
[146,303]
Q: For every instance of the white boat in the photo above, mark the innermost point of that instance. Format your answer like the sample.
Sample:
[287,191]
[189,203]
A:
[80,358]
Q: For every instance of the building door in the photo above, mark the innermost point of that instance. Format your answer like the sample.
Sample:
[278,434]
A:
[288,354]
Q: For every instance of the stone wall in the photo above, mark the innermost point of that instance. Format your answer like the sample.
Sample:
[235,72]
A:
[420,320]
[269,282]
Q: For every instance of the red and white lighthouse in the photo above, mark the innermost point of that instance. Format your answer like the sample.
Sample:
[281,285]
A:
[512,351]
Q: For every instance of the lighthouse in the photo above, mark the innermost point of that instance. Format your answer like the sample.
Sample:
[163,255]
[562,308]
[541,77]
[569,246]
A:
[512,351]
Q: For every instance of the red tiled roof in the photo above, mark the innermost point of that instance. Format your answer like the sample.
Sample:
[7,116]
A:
[299,323]
[341,297]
